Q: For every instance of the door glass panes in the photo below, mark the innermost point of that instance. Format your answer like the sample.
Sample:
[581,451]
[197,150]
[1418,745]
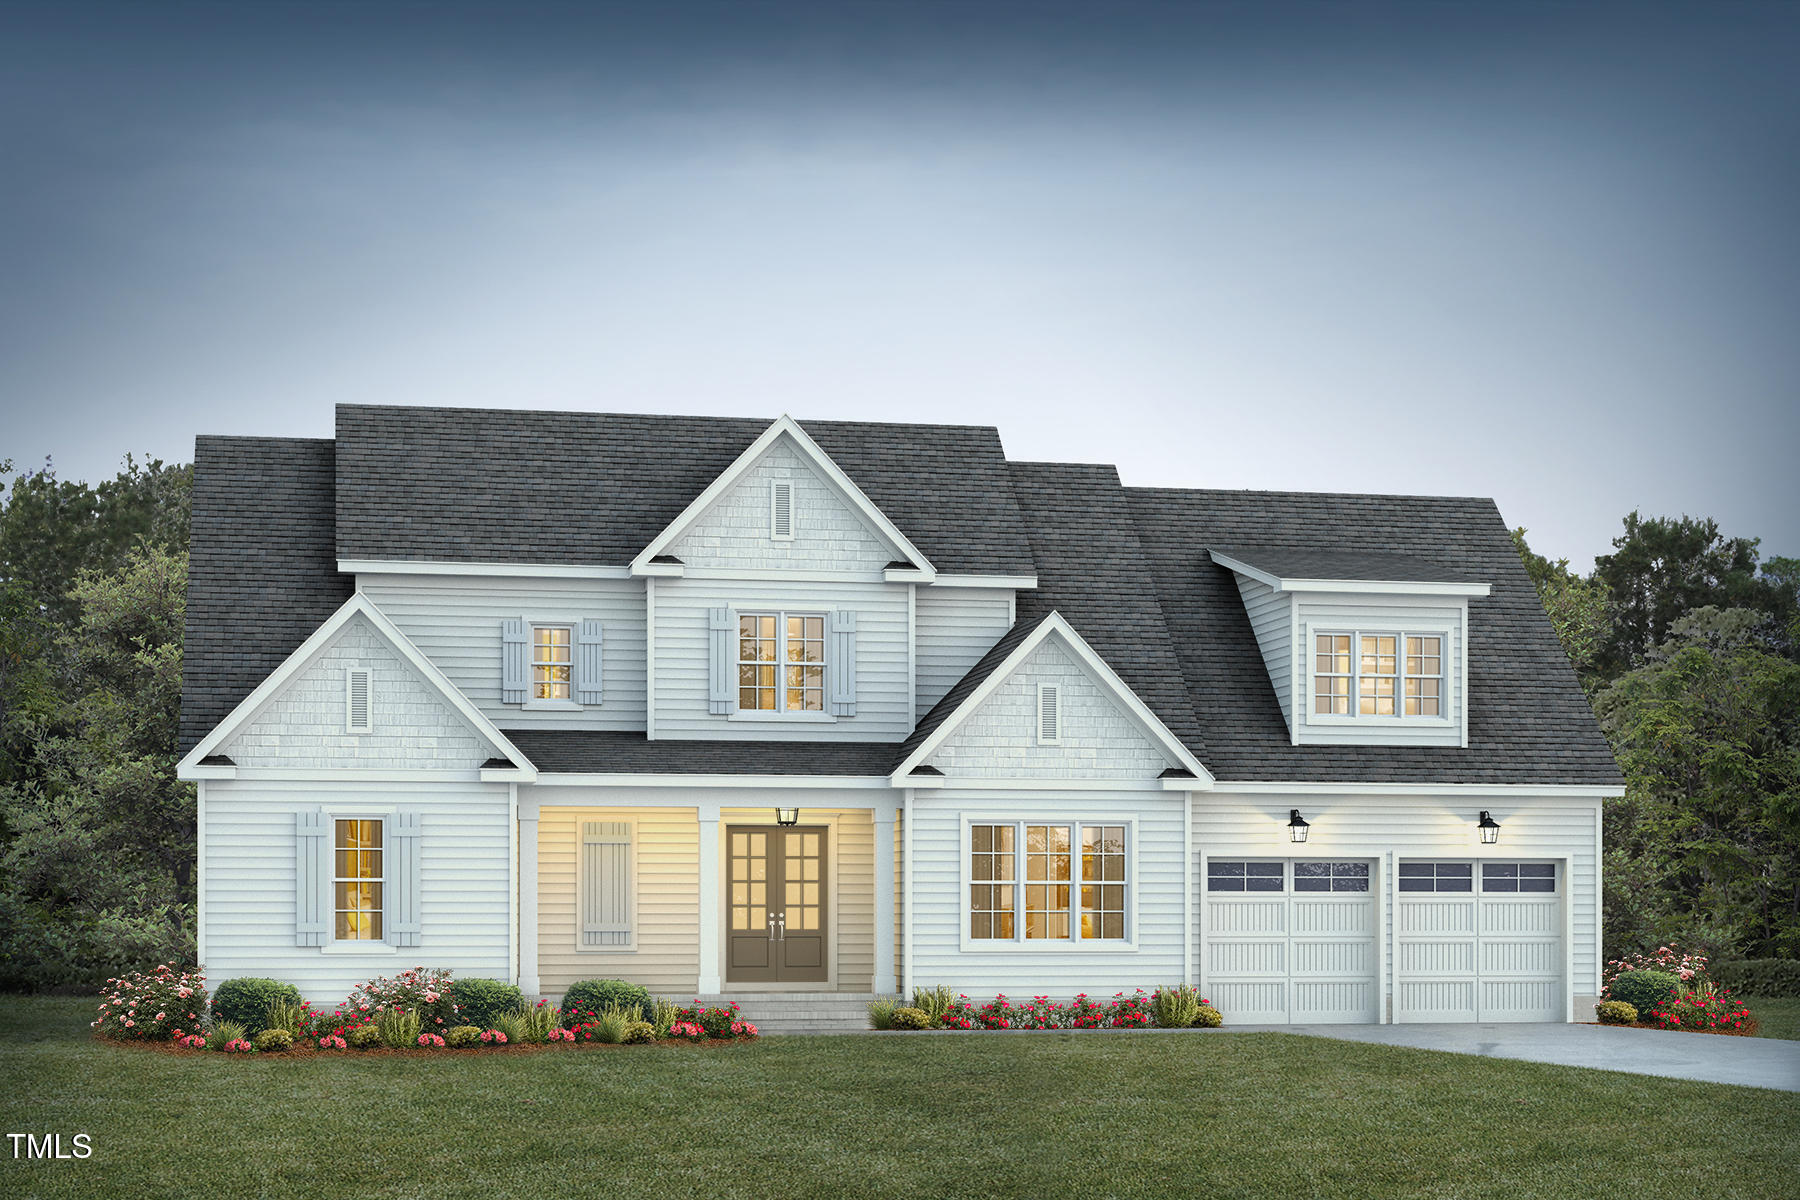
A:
[1518,877]
[1224,876]
[1437,877]
[991,881]
[1103,881]
[357,879]
[749,882]
[1331,877]
[801,882]
[806,664]
[1377,674]
[1331,674]
[756,662]
[550,662]
[1424,676]
[1047,881]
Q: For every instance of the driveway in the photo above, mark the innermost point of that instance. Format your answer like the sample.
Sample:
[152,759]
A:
[1714,1058]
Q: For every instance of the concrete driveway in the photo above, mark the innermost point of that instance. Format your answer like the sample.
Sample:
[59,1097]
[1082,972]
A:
[1748,1062]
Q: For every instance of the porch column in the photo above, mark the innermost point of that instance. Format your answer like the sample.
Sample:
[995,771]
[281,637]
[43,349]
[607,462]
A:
[529,983]
[711,976]
[884,902]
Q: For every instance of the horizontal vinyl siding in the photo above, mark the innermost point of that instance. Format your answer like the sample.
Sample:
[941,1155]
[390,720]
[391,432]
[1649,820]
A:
[882,694]
[249,868]
[938,883]
[1344,615]
[455,621]
[954,627]
[1271,619]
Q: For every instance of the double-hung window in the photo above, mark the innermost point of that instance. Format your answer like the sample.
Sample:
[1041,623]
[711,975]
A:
[781,662]
[357,880]
[552,662]
[1375,674]
[1048,882]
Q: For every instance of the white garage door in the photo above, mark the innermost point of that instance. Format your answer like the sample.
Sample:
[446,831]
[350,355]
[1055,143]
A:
[1480,942]
[1291,941]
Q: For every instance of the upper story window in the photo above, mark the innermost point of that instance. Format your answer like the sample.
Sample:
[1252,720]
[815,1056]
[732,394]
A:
[1366,674]
[357,880]
[552,662]
[781,662]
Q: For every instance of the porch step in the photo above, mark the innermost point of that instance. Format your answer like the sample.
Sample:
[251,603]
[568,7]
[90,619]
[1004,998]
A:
[800,1012]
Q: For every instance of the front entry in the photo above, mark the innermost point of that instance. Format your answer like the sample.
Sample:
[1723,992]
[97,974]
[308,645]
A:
[777,889]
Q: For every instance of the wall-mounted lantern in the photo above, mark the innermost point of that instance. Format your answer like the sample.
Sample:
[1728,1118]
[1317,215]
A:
[1490,828]
[1297,825]
[789,816]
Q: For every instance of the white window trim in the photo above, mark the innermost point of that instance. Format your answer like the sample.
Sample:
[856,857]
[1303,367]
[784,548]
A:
[775,486]
[1054,691]
[333,944]
[796,716]
[1447,715]
[350,674]
[631,868]
[1074,943]
[532,703]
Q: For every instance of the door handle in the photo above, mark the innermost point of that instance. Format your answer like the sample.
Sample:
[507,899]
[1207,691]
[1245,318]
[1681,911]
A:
[771,927]
[782,937]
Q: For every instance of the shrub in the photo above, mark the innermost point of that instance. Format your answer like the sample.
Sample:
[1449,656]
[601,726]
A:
[661,1014]
[363,1037]
[430,1041]
[611,1024]
[247,1001]
[273,1040]
[933,1002]
[463,1036]
[493,1037]
[1643,990]
[1208,1017]
[535,1024]
[1670,960]
[421,991]
[297,1019]
[1773,977]
[639,1033]
[1175,1007]
[223,1033]
[152,1005]
[333,1041]
[588,998]
[908,1017]
[512,1025]
[1705,1009]
[689,1030]
[398,1027]
[1615,1012]
[881,1012]
[479,1001]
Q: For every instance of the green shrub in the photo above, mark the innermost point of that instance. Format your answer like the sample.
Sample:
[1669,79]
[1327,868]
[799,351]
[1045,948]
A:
[398,1027]
[881,1012]
[363,1037]
[639,1033]
[1176,1006]
[534,1023]
[909,1017]
[479,1001]
[1643,990]
[295,1018]
[612,1023]
[463,1036]
[1773,977]
[933,1002]
[273,1040]
[1208,1017]
[513,1025]
[247,1001]
[590,997]
[1615,1012]
[661,1014]
[223,1033]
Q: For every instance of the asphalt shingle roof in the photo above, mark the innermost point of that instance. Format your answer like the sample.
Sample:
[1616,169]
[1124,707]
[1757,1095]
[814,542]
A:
[587,751]
[1293,562]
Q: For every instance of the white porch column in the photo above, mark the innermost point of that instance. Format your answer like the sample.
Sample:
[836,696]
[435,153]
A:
[529,983]
[906,900]
[711,975]
[884,902]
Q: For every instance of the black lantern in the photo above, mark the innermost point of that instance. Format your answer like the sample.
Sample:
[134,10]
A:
[787,816]
[1490,829]
[1297,826]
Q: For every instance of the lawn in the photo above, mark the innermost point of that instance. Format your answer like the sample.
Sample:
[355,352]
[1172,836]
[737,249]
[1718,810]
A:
[1235,1115]
[1777,1018]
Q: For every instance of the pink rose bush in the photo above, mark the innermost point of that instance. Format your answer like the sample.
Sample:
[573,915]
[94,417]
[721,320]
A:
[154,1006]
[333,1041]
[1670,960]
[493,1037]
[1041,1012]
[431,1041]
[720,1022]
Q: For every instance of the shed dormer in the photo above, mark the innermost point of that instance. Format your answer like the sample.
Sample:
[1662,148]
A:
[1361,649]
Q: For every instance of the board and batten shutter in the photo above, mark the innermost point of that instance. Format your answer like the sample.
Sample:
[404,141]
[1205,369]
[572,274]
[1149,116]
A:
[312,878]
[402,887]
[587,662]
[721,692]
[515,660]
[841,655]
[605,883]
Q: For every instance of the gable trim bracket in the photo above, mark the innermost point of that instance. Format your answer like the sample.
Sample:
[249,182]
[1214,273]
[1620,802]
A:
[520,768]
[1201,779]
[920,569]
[1355,586]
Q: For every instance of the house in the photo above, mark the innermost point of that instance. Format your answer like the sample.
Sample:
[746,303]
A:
[740,706]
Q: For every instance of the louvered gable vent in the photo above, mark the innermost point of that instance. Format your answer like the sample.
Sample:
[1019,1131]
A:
[1049,716]
[781,510]
[357,700]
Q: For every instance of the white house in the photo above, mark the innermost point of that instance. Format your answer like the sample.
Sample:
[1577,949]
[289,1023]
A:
[743,706]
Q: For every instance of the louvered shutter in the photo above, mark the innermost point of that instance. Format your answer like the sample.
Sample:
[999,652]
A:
[587,662]
[312,878]
[841,663]
[515,664]
[606,883]
[721,694]
[402,887]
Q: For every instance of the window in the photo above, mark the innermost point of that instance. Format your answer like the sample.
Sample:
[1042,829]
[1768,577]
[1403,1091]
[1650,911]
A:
[1384,682]
[1244,876]
[781,663]
[552,667]
[1331,876]
[781,510]
[357,880]
[1056,905]
[1049,714]
[356,700]
[1437,877]
[1518,877]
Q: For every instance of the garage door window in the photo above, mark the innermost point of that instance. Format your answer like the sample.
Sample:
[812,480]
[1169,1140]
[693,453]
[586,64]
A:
[1518,877]
[1244,876]
[1331,877]
[1437,877]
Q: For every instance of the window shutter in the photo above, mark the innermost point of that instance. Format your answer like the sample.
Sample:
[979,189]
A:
[587,662]
[515,666]
[312,878]
[721,696]
[606,883]
[781,511]
[356,700]
[1049,714]
[401,898]
[841,663]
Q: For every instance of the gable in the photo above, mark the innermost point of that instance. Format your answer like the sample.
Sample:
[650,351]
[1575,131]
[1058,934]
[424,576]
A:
[412,727]
[998,738]
[828,533]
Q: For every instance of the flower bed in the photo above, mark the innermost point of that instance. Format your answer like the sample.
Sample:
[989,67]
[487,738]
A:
[1694,1005]
[935,1009]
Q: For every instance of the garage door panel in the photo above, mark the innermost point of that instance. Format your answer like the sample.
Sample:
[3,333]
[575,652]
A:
[1540,956]
[1521,916]
[1436,1000]
[1355,917]
[1522,1000]
[1437,958]
[1251,1002]
[1436,916]
[1334,958]
[1247,916]
[1294,955]
[1247,958]
[1333,1001]
[1493,955]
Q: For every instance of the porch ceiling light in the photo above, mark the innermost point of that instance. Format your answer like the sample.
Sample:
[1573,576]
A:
[787,816]
[1490,828]
[1297,825]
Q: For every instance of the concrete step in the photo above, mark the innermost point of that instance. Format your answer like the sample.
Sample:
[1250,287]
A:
[800,1012]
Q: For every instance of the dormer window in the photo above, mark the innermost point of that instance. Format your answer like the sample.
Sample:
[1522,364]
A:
[1369,667]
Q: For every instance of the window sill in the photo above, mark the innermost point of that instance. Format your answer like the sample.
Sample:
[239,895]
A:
[1378,722]
[585,949]
[797,718]
[551,706]
[358,947]
[1049,945]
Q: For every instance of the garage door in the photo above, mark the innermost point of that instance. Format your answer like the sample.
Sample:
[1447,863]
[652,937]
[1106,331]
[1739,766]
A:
[1291,940]
[1479,942]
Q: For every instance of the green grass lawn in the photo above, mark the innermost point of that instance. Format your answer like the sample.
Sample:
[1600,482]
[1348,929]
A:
[1234,1115]
[1777,1018]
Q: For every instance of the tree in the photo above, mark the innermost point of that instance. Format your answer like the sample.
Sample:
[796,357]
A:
[1576,607]
[1660,569]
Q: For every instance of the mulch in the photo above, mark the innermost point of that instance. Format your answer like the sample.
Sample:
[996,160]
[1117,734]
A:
[313,1051]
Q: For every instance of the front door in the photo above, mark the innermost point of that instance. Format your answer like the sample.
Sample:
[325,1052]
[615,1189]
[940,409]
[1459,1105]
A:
[776,884]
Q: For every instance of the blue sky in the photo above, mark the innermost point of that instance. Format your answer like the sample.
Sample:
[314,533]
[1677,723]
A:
[1512,250]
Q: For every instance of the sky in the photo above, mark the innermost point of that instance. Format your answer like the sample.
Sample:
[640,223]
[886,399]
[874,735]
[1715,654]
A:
[1544,253]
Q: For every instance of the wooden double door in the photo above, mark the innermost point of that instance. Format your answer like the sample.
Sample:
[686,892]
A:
[778,916]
